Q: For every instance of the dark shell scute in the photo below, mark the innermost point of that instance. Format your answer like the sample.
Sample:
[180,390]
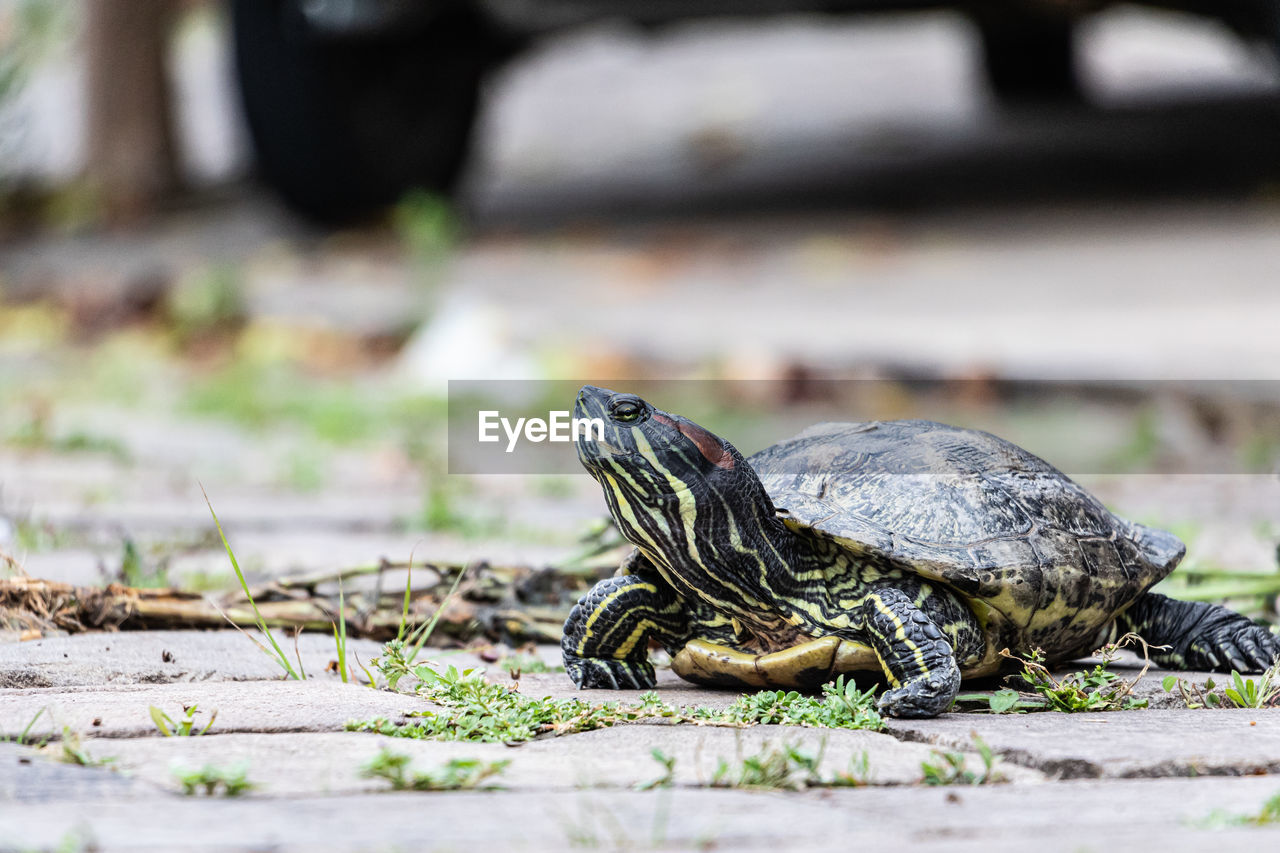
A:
[970,509]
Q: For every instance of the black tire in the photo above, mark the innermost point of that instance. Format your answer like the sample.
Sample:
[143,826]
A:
[1029,57]
[344,127]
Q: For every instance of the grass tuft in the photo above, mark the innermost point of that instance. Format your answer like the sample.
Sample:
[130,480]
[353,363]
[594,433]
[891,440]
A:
[186,727]
[777,767]
[214,781]
[340,633]
[278,655]
[459,774]
[949,768]
[24,738]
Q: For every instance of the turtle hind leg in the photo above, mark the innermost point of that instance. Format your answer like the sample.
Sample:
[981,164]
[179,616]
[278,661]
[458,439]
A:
[1199,635]
[606,637]
[924,677]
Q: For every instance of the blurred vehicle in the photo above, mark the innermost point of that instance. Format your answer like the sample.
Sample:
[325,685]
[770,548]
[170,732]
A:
[352,102]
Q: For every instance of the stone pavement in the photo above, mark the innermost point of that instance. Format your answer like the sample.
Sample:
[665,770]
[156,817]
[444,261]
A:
[1073,782]
[765,127]
[156,657]
[1151,743]
[1065,817]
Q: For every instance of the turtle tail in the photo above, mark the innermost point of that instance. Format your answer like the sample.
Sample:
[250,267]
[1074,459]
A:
[1160,547]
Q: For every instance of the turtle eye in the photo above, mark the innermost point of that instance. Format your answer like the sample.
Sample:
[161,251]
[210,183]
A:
[625,410]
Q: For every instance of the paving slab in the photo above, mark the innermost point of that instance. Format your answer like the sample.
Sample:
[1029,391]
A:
[243,706]
[31,775]
[157,657]
[672,688]
[1070,816]
[1226,742]
[618,757]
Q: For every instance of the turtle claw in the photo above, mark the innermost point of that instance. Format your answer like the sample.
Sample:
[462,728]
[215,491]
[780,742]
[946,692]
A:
[1261,648]
[609,673]
[1201,636]
[1252,649]
[922,697]
[1245,648]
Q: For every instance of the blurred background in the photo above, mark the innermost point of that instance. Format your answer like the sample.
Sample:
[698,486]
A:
[247,244]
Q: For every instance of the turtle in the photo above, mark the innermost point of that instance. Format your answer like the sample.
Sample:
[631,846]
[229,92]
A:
[906,551]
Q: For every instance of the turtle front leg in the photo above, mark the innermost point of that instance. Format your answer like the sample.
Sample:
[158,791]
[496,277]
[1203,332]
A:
[1199,635]
[924,677]
[606,637]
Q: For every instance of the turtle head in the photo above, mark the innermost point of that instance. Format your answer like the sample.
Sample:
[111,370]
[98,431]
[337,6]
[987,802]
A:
[651,455]
[689,501]
[663,474]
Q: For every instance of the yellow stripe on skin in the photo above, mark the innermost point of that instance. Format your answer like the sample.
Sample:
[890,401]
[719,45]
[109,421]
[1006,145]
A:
[630,643]
[625,510]
[900,634]
[688,515]
[688,504]
[603,605]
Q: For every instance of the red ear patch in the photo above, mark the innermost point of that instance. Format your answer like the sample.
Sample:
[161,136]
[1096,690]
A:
[708,445]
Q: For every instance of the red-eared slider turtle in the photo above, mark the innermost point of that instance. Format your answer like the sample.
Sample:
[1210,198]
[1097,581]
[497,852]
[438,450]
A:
[907,548]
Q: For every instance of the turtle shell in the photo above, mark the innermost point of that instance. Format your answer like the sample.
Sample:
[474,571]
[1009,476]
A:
[1002,527]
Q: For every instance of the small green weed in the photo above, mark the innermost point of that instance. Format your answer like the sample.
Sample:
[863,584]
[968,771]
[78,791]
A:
[1097,689]
[213,781]
[775,767]
[1246,693]
[34,536]
[782,767]
[398,655]
[1267,815]
[24,738]
[135,572]
[842,706]
[71,750]
[1003,701]
[459,774]
[186,727]
[948,768]
[857,776]
[1193,696]
[479,710]
[666,780]
[1241,693]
